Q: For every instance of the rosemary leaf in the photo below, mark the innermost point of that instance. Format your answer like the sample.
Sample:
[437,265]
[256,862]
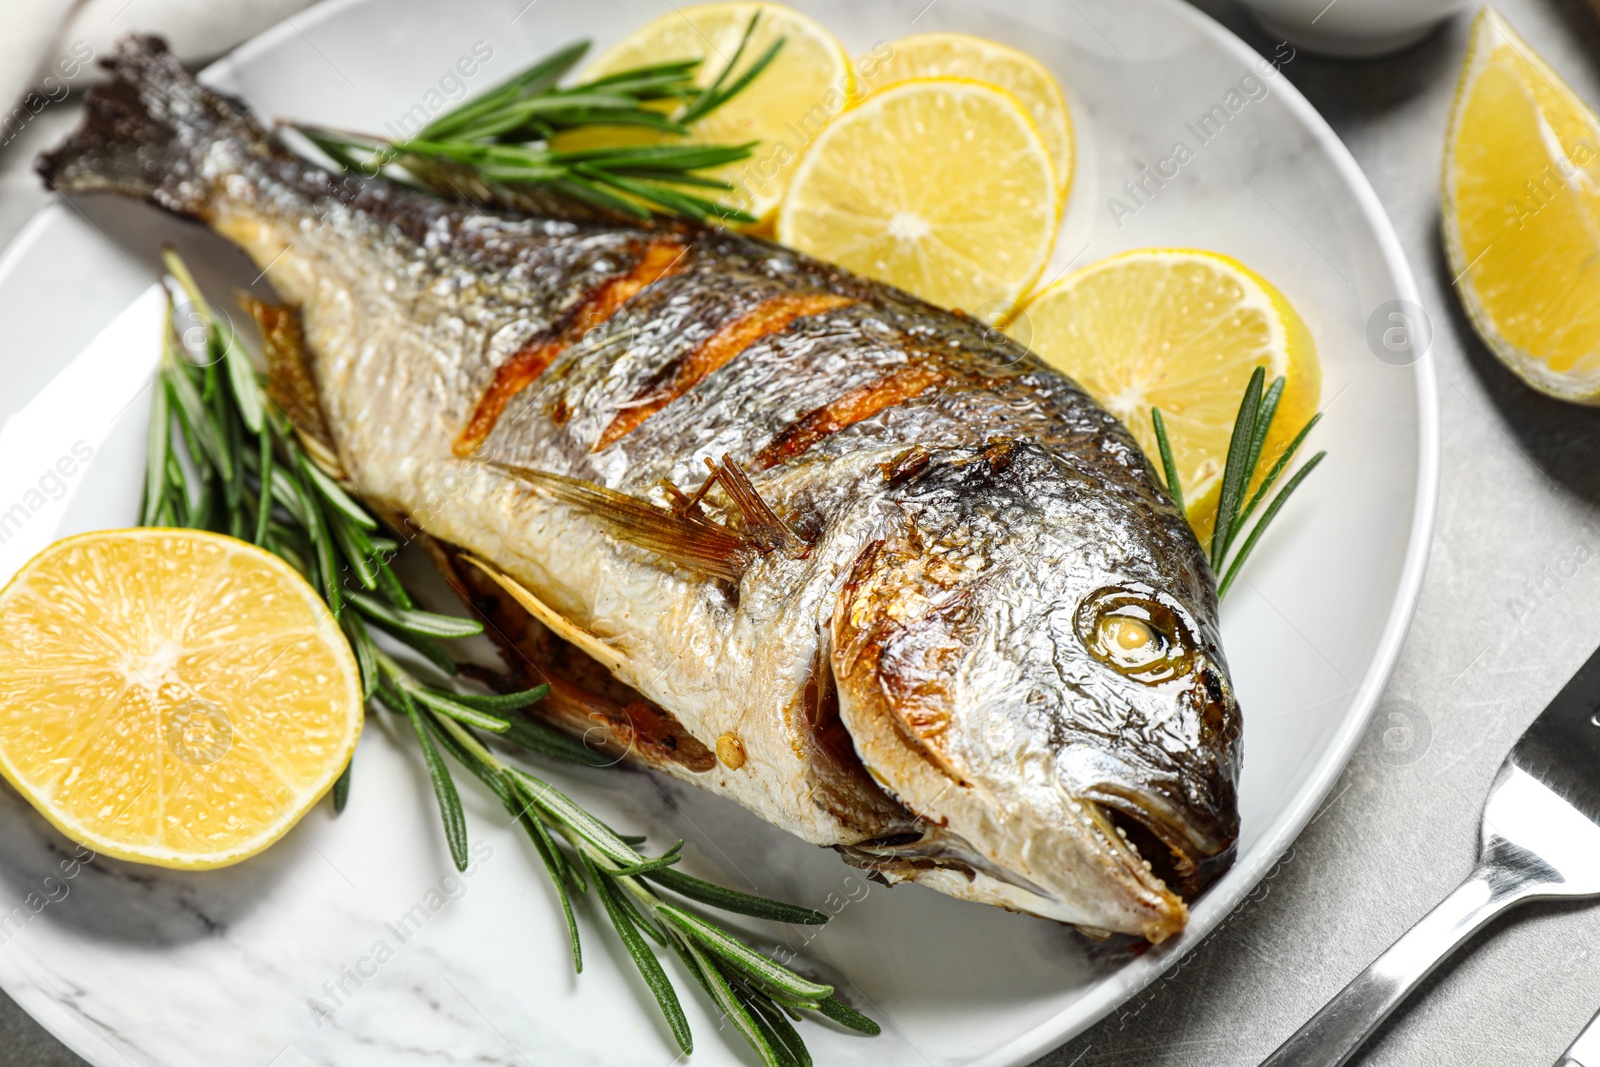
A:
[666,859]
[732,900]
[778,1031]
[1234,474]
[448,741]
[414,620]
[341,788]
[241,377]
[537,79]
[455,821]
[557,867]
[547,741]
[284,494]
[198,432]
[563,810]
[427,647]
[742,956]
[731,1005]
[264,465]
[645,960]
[845,1015]
[442,704]
[351,546]
[333,494]
[1263,425]
[716,94]
[157,446]
[1266,518]
[503,701]
[1276,470]
[361,645]
[1168,467]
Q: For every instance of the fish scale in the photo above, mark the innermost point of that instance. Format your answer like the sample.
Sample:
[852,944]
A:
[883,563]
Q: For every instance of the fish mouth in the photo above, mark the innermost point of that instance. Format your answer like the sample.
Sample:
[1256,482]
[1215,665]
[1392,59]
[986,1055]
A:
[1187,851]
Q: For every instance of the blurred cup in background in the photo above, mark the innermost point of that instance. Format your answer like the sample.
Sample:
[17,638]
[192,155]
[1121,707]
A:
[1355,29]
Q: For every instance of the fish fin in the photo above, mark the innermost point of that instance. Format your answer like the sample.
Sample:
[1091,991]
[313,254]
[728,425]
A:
[146,131]
[564,628]
[769,532]
[605,715]
[290,384]
[697,543]
[685,505]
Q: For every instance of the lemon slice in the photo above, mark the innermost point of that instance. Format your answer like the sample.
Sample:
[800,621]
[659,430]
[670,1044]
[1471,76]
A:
[958,55]
[172,697]
[805,85]
[1181,330]
[941,186]
[1522,213]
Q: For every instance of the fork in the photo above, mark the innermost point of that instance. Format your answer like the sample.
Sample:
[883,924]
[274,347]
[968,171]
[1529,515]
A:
[1540,840]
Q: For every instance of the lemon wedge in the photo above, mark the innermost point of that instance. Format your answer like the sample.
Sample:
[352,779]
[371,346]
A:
[806,84]
[941,186]
[172,697]
[960,55]
[1522,213]
[1181,330]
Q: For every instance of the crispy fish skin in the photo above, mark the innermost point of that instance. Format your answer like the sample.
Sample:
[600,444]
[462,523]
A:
[964,533]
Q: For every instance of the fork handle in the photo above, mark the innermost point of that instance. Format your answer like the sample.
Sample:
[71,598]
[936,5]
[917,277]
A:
[1334,1034]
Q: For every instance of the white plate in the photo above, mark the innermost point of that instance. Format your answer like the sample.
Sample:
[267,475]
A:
[135,965]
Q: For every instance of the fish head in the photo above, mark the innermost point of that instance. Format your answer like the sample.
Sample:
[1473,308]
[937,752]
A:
[1028,658]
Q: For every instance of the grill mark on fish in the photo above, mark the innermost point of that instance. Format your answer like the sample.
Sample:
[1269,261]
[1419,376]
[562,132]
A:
[659,259]
[773,315]
[854,406]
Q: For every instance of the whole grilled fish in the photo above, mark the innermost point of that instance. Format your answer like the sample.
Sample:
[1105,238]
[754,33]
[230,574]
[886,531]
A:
[846,558]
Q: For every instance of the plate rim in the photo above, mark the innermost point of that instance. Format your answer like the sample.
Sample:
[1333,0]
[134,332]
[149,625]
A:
[1117,988]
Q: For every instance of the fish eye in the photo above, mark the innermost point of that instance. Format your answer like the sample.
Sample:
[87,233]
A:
[1134,632]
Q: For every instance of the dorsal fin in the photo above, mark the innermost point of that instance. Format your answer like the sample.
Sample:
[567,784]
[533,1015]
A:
[697,543]
[682,534]
[766,529]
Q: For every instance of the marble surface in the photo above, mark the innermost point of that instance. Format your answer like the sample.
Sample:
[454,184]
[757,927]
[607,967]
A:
[1504,618]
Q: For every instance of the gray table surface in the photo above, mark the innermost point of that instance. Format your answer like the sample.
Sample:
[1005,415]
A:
[1509,610]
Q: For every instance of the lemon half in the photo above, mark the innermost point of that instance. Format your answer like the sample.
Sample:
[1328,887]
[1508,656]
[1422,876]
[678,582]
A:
[1522,213]
[1181,330]
[172,697]
[941,186]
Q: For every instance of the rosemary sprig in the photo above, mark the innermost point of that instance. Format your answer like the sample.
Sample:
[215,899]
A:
[1257,411]
[504,137]
[242,469]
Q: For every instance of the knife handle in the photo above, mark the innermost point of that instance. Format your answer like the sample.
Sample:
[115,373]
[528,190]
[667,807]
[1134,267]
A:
[1585,1051]
[1334,1034]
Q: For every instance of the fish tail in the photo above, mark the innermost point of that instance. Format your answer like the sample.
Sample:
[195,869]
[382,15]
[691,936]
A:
[147,131]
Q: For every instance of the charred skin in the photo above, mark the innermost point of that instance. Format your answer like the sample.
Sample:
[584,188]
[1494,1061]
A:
[968,519]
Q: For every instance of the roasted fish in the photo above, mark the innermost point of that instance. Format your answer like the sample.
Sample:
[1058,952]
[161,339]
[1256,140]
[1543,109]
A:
[850,560]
